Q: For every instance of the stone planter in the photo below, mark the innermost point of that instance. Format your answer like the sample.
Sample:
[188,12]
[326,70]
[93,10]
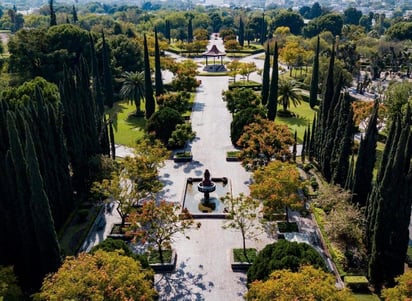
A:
[182,157]
[238,266]
[122,236]
[167,266]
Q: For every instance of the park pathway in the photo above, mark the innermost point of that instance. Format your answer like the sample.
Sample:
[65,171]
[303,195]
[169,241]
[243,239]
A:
[203,270]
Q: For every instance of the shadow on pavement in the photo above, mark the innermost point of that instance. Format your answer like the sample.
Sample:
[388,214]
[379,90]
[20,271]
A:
[182,285]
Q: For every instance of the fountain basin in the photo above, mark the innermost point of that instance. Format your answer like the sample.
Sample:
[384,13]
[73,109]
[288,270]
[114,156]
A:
[194,200]
[206,188]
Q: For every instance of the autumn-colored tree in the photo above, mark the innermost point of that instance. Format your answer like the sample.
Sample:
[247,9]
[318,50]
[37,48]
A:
[234,68]
[291,53]
[402,290]
[246,69]
[242,215]
[232,45]
[277,185]
[157,224]
[306,285]
[98,276]
[263,141]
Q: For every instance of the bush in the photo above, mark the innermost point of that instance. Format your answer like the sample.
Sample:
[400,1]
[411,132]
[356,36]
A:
[82,214]
[181,135]
[283,255]
[241,119]
[163,123]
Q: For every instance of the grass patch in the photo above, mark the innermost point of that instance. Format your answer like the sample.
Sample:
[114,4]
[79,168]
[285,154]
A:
[155,258]
[127,128]
[288,227]
[239,256]
[303,117]
[183,154]
[232,154]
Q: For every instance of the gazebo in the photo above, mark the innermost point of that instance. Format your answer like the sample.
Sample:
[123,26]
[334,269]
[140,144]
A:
[215,53]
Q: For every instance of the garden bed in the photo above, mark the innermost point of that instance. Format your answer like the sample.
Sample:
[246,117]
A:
[238,260]
[232,156]
[183,156]
[169,258]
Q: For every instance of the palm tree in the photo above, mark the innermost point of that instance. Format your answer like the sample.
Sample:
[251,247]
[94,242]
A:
[133,87]
[289,93]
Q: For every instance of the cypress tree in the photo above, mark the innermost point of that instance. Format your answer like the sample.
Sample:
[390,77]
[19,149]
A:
[263,30]
[112,142]
[53,21]
[96,85]
[305,137]
[150,102]
[190,31]
[167,30]
[314,83]
[74,15]
[363,171]
[266,76]
[391,197]
[294,151]
[343,152]
[307,144]
[48,259]
[107,74]
[158,69]
[241,32]
[273,93]
[350,177]
[312,143]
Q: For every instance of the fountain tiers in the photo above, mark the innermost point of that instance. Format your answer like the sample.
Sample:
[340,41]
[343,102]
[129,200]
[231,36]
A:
[194,199]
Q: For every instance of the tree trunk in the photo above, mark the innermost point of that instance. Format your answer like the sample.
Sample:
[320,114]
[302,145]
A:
[244,245]
[159,249]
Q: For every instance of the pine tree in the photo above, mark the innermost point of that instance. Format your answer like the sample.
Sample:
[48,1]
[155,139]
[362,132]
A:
[74,15]
[266,76]
[53,21]
[388,237]
[158,69]
[363,171]
[241,32]
[150,102]
[273,93]
[314,83]
[190,31]
[107,74]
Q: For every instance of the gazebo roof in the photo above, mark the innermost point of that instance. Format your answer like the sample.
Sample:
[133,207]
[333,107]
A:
[214,51]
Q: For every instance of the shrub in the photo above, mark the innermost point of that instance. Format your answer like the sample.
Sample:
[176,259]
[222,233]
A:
[163,123]
[82,214]
[180,135]
[283,255]
[241,119]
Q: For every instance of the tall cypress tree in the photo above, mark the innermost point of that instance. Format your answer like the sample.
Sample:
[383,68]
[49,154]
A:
[158,69]
[107,74]
[190,30]
[273,93]
[241,32]
[150,102]
[96,85]
[53,21]
[167,30]
[266,76]
[307,144]
[112,142]
[48,259]
[263,30]
[312,143]
[363,171]
[391,197]
[314,83]
[294,150]
[74,15]
[303,152]
[342,153]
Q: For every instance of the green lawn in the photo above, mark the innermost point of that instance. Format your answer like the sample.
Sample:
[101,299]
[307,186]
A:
[304,117]
[128,128]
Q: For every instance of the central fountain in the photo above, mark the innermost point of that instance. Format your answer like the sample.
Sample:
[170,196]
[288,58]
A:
[206,186]
[202,196]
